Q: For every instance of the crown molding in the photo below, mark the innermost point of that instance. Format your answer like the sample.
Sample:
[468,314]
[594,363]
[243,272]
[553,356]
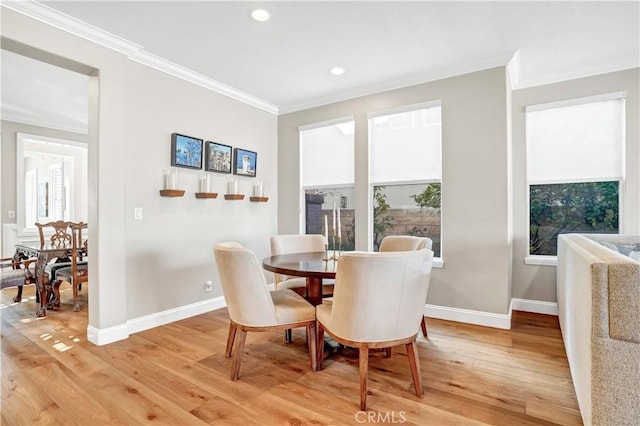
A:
[64,22]
[171,68]
[525,83]
[132,51]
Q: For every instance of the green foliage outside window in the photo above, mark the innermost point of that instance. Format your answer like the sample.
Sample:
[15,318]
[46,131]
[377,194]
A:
[430,197]
[381,218]
[554,209]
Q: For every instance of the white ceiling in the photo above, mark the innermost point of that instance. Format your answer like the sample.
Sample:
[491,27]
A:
[285,62]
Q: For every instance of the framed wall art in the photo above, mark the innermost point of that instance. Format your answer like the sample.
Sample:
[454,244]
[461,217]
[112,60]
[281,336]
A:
[186,151]
[218,157]
[245,162]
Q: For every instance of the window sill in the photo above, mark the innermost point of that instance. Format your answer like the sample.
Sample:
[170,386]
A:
[541,260]
[437,263]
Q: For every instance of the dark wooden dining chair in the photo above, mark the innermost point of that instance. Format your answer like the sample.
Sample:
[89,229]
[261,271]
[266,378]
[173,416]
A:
[78,272]
[15,272]
[54,234]
[60,237]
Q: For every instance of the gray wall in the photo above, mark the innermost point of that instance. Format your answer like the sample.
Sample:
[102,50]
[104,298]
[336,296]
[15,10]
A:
[475,191]
[141,268]
[539,282]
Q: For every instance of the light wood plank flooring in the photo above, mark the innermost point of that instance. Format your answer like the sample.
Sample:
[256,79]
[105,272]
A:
[177,375]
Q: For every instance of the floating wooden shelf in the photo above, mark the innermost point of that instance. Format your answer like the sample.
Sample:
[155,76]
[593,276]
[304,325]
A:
[259,199]
[172,192]
[234,196]
[206,195]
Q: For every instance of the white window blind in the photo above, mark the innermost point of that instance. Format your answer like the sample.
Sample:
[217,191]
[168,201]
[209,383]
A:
[327,155]
[575,143]
[57,192]
[406,146]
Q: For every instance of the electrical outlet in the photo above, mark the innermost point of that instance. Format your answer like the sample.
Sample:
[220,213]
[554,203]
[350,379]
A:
[11,214]
[208,286]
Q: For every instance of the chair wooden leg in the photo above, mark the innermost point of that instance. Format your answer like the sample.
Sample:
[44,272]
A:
[364,370]
[76,304]
[423,325]
[18,297]
[230,339]
[237,357]
[287,336]
[311,342]
[319,345]
[55,296]
[414,364]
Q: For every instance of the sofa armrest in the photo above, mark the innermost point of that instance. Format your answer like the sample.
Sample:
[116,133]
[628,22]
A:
[624,301]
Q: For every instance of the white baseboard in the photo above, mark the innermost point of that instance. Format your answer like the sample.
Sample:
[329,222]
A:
[113,334]
[535,306]
[487,319]
[104,336]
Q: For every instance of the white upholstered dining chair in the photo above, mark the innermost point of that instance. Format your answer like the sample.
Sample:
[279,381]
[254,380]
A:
[253,307]
[296,243]
[377,303]
[407,243]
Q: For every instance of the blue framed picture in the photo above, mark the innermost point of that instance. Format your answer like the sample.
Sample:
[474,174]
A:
[245,162]
[186,151]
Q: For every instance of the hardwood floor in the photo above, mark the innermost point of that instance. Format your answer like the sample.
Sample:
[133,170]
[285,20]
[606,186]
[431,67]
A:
[177,375]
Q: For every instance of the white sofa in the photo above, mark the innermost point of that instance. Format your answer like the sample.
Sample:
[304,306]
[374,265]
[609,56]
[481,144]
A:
[599,312]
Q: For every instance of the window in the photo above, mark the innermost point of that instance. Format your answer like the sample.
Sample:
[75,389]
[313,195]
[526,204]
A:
[406,173]
[51,181]
[574,169]
[327,179]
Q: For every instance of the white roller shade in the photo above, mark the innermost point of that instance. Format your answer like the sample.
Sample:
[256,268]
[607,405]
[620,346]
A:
[327,155]
[575,143]
[406,146]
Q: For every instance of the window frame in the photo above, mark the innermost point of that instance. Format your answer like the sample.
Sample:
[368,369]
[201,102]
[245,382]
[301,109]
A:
[551,260]
[438,262]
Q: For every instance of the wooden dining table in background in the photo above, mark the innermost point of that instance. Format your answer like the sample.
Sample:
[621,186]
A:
[310,265]
[44,254]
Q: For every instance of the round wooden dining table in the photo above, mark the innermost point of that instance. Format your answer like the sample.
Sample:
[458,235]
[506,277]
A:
[310,265]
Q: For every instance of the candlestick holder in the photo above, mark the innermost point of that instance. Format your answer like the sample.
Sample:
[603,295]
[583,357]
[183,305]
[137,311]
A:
[326,252]
[333,239]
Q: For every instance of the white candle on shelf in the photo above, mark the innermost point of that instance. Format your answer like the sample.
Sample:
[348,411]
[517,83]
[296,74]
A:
[232,186]
[339,225]
[204,183]
[258,190]
[171,179]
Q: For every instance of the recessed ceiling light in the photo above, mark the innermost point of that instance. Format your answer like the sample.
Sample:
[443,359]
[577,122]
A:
[337,71]
[260,15]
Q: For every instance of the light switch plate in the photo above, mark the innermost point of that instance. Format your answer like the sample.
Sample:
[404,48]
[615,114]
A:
[11,214]
[137,213]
